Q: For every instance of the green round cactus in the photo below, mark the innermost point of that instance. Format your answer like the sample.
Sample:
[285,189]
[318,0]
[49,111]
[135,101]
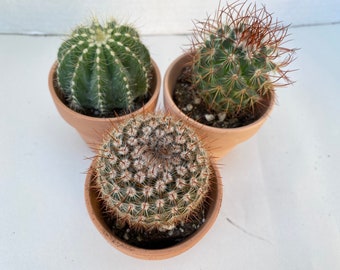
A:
[103,68]
[152,173]
[239,58]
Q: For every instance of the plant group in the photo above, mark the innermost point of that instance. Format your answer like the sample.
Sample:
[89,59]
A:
[102,68]
[239,58]
[152,173]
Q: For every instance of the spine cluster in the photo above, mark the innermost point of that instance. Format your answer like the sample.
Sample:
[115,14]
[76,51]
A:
[152,173]
[239,58]
[103,68]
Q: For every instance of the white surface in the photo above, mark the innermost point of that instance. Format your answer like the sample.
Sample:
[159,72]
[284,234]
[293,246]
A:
[150,16]
[281,207]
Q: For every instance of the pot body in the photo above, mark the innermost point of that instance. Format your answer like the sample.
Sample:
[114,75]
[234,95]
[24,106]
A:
[219,141]
[93,208]
[92,129]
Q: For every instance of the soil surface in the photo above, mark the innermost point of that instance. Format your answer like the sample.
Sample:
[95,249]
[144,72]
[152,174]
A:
[187,100]
[156,239]
[138,103]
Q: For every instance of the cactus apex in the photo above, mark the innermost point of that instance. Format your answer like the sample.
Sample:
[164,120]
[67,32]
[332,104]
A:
[103,67]
[239,57]
[152,172]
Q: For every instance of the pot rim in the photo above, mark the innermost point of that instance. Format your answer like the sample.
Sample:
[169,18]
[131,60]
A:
[153,98]
[185,58]
[155,254]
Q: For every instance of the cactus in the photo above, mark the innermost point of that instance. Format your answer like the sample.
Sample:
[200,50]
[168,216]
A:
[238,58]
[103,68]
[152,173]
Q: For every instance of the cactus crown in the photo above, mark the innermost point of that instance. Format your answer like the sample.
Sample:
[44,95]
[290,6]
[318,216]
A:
[239,58]
[152,173]
[102,68]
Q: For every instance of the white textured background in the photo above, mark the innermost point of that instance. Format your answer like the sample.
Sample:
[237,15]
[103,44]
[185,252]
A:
[150,16]
[281,205]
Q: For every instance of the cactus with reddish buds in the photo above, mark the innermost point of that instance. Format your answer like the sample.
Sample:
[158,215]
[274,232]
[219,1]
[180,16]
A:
[103,67]
[152,173]
[239,58]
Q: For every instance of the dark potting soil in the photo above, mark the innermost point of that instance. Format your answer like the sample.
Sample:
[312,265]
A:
[187,100]
[138,103]
[156,239]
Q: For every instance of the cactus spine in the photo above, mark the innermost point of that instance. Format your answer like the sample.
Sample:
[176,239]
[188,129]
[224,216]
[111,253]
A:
[152,173]
[102,68]
[238,58]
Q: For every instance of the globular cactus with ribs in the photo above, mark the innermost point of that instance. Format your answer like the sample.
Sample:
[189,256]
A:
[103,68]
[152,173]
[239,58]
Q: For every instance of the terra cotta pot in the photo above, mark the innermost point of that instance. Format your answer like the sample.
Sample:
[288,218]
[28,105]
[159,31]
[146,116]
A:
[94,210]
[92,129]
[218,140]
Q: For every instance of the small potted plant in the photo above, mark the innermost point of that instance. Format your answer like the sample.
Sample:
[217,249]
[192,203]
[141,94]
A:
[102,75]
[152,191]
[225,85]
